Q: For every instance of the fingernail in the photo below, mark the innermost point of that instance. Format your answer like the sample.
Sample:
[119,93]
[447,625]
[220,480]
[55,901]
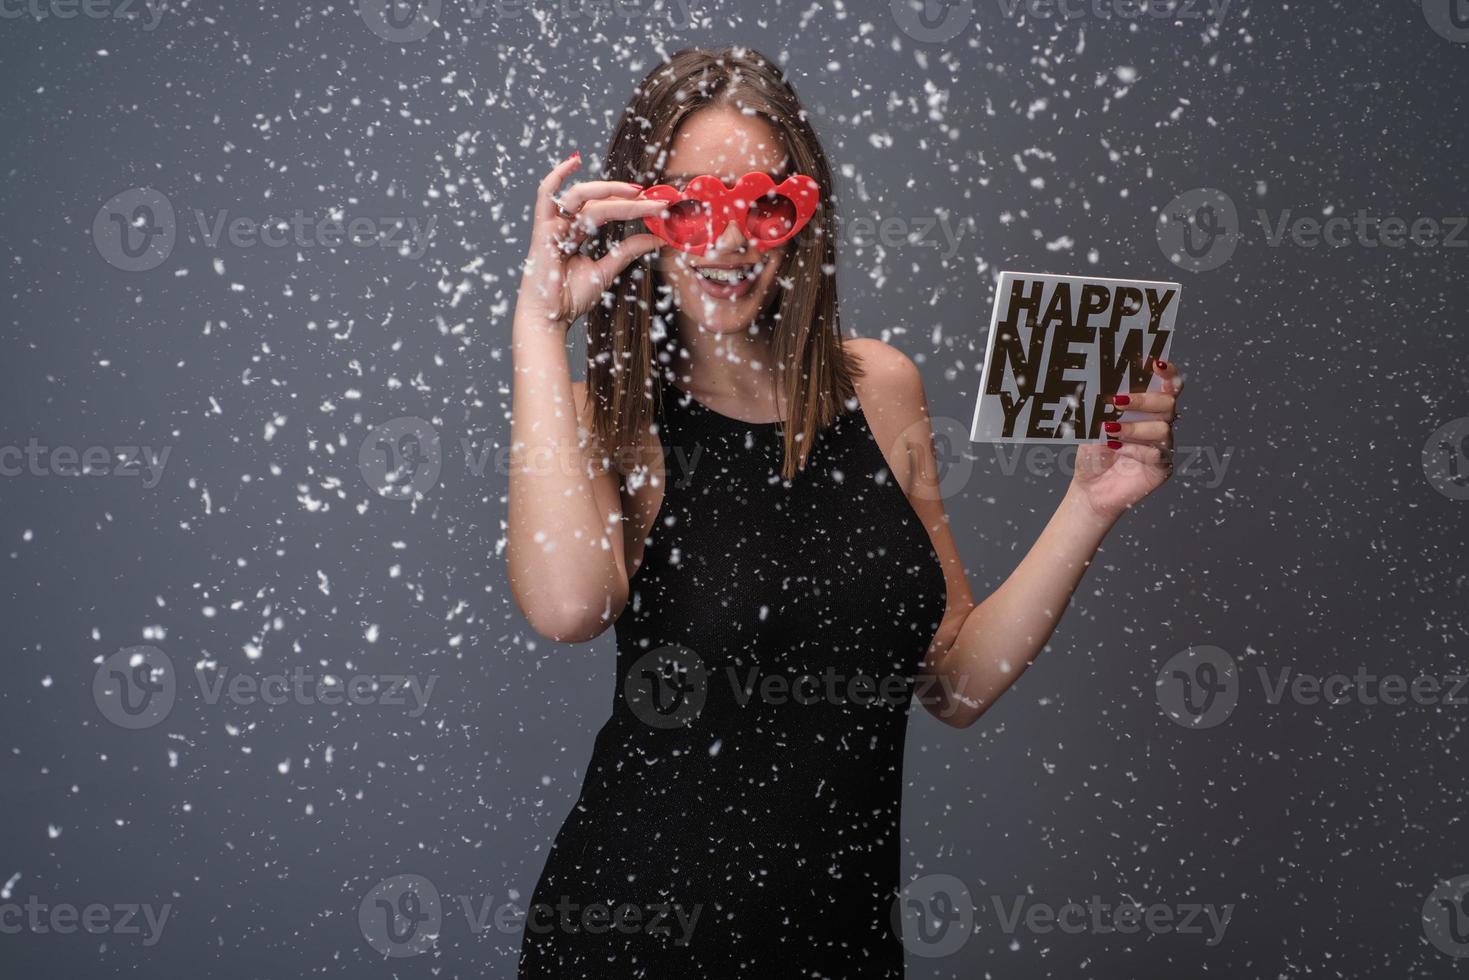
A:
[1121,399]
[1112,426]
[1163,365]
[1113,444]
[575,155]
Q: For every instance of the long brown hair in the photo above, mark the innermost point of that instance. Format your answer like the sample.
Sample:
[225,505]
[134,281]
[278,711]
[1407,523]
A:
[813,371]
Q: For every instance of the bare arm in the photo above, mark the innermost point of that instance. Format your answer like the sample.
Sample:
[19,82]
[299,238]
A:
[981,649]
[999,638]
[567,569]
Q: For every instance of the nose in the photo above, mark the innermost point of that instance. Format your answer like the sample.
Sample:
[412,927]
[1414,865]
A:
[730,240]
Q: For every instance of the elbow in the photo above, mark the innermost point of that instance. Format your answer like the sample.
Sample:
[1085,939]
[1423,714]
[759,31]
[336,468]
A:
[567,618]
[562,610]
[956,713]
[958,719]
[568,622]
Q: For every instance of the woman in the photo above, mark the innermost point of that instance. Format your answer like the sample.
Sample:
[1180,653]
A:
[749,499]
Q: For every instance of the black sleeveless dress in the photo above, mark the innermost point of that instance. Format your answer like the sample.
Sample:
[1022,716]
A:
[740,815]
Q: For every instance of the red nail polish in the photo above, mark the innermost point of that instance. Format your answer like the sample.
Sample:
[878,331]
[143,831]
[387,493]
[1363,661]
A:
[1121,399]
[1113,444]
[1112,426]
[1163,365]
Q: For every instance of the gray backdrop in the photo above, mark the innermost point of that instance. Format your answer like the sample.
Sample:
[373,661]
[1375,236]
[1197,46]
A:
[1318,529]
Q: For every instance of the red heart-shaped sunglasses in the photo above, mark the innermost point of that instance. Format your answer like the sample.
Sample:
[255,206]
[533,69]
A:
[766,213]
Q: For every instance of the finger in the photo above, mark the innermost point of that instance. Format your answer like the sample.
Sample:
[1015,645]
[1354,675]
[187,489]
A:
[622,254]
[577,195]
[1149,433]
[1171,375]
[597,213]
[546,192]
[1159,403]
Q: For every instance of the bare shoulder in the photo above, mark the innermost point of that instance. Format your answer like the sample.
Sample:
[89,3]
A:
[890,386]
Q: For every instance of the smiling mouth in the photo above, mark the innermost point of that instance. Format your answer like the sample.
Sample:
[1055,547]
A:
[731,276]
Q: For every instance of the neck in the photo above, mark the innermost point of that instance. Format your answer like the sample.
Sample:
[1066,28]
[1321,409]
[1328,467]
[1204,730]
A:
[731,367]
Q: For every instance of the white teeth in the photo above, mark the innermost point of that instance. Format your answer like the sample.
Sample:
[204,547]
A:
[723,275]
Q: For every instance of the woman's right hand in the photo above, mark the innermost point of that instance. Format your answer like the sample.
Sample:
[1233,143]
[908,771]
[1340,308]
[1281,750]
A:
[558,283]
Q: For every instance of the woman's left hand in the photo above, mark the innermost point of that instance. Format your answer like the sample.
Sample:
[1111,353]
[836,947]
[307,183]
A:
[1138,456]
